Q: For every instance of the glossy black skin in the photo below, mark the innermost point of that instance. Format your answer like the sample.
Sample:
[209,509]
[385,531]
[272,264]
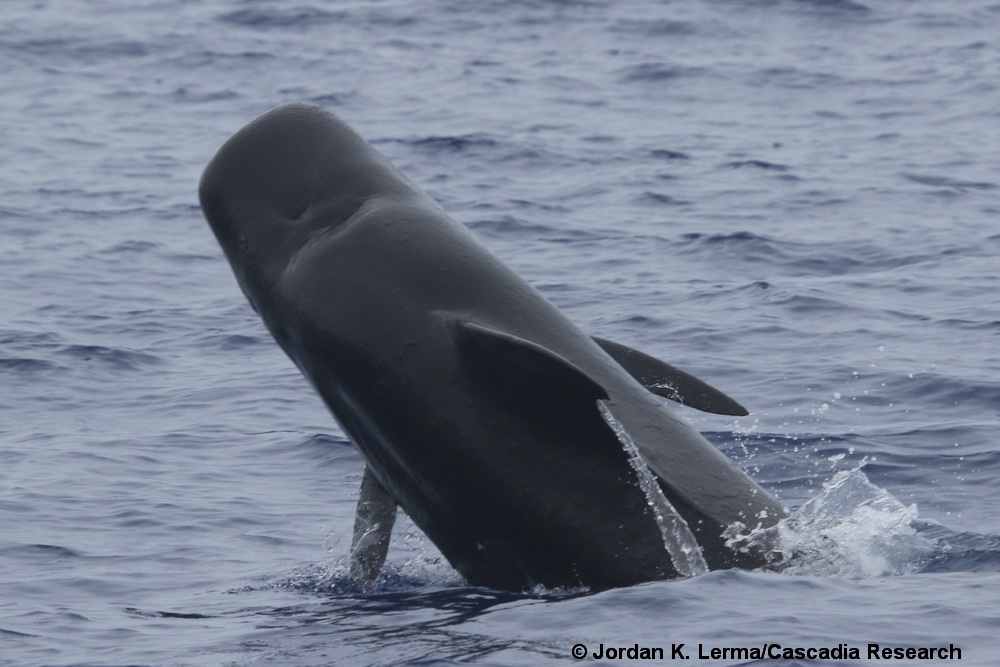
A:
[505,464]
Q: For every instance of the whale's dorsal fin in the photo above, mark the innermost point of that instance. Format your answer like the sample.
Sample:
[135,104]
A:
[665,380]
[536,367]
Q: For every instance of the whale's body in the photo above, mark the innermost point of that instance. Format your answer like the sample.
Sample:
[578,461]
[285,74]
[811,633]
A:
[474,401]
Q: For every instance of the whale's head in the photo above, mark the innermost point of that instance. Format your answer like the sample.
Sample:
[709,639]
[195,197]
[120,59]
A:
[293,173]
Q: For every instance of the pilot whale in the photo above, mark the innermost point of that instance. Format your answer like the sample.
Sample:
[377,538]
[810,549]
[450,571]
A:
[529,452]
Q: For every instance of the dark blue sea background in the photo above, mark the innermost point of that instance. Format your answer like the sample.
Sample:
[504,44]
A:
[795,200]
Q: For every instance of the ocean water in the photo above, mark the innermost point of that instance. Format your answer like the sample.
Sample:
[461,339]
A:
[796,200]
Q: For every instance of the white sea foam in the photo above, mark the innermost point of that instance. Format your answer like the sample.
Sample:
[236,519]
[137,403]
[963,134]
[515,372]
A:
[851,529]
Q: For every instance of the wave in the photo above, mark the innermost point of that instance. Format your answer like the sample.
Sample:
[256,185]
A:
[664,154]
[297,17]
[948,182]
[42,551]
[820,258]
[655,27]
[959,551]
[78,49]
[825,8]
[511,226]
[477,145]
[656,72]
[119,358]
[25,365]
[462,142]
[942,389]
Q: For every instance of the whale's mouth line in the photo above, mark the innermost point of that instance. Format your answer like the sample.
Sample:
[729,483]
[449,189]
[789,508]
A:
[678,539]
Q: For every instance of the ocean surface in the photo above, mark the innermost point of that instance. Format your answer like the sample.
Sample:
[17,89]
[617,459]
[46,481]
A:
[795,200]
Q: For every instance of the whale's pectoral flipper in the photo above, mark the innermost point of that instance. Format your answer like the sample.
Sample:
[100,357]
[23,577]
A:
[372,529]
[665,380]
[534,368]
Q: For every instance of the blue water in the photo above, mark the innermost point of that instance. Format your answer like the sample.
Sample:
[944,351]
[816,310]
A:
[796,200]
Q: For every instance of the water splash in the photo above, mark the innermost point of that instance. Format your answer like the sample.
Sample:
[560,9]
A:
[852,529]
[415,563]
[677,537]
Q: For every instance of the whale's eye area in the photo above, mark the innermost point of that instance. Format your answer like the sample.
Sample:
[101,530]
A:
[299,211]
